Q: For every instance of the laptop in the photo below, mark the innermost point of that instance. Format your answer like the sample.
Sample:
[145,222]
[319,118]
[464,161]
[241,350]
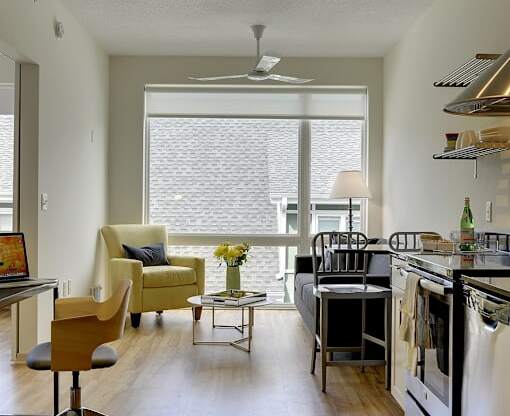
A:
[13,261]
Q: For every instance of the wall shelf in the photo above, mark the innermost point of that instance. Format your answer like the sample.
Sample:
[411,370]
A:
[473,153]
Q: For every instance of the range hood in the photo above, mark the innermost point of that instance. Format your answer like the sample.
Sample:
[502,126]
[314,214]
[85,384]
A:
[488,95]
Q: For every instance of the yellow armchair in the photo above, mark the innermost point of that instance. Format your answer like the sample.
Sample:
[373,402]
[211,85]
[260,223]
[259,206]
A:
[155,288]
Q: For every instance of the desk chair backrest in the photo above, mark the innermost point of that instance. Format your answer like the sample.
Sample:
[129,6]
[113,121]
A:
[342,255]
[136,235]
[75,338]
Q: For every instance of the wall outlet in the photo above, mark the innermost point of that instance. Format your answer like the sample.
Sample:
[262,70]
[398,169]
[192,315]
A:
[64,288]
[44,201]
[488,211]
[68,287]
[95,292]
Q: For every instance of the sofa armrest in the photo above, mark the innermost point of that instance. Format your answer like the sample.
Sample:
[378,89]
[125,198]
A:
[304,263]
[196,263]
[128,269]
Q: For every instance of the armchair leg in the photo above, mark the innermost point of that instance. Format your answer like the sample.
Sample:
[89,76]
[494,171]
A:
[197,313]
[135,319]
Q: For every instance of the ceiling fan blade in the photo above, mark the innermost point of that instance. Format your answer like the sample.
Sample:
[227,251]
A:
[290,80]
[266,63]
[218,78]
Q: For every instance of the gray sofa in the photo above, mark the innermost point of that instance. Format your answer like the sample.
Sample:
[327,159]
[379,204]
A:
[344,316]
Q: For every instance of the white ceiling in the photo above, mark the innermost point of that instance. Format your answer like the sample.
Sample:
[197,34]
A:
[221,27]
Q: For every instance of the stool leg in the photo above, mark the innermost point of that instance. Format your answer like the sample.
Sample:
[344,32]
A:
[387,340]
[314,354]
[363,329]
[55,393]
[324,341]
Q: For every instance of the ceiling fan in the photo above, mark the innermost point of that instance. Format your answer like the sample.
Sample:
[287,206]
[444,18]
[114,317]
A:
[263,67]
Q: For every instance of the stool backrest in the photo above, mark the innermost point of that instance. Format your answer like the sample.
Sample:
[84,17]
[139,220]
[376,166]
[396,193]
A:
[342,255]
[406,241]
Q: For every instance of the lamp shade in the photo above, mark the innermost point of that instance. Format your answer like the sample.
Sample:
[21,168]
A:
[349,184]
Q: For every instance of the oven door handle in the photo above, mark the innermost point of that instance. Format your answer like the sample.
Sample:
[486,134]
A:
[447,284]
[492,309]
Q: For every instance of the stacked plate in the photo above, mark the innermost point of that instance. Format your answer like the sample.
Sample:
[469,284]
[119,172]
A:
[495,135]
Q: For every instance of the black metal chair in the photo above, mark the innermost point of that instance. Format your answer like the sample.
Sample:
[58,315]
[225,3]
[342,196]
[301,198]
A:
[407,241]
[342,266]
[499,241]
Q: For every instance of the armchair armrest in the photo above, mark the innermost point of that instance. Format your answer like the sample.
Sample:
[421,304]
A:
[196,263]
[119,269]
[72,307]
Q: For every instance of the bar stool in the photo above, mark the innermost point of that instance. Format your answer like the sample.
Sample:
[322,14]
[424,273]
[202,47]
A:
[346,264]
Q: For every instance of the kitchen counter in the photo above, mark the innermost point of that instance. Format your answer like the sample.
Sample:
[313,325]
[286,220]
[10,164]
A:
[496,264]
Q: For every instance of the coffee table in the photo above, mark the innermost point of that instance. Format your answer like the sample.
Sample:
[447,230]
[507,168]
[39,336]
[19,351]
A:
[244,343]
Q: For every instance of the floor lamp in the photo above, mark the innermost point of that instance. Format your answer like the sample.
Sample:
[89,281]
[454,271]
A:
[349,184]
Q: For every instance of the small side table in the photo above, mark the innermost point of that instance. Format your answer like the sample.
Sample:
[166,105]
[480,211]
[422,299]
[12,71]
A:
[244,343]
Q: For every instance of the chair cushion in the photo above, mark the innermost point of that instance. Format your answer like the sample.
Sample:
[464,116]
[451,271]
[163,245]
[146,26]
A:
[168,276]
[40,357]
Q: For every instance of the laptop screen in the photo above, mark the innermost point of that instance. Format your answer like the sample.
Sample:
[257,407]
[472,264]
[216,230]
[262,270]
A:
[13,258]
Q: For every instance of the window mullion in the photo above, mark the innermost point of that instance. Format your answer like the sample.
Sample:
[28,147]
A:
[304,187]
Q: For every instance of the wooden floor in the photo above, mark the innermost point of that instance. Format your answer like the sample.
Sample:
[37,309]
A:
[160,373]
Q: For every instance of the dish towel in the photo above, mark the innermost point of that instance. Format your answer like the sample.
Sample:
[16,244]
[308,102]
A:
[407,330]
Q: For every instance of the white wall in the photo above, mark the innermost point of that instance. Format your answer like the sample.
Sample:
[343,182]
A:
[421,193]
[73,101]
[129,75]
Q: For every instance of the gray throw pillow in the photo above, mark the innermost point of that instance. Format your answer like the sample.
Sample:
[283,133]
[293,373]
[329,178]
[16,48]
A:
[153,255]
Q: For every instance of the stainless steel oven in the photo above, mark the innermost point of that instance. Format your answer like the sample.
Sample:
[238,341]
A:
[430,390]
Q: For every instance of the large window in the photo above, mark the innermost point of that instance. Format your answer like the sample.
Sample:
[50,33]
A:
[6,155]
[228,176]
[252,165]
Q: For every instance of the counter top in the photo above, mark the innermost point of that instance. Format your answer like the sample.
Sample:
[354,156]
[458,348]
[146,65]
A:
[455,265]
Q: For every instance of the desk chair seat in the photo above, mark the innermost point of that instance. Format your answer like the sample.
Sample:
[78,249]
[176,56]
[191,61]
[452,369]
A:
[40,357]
[79,332]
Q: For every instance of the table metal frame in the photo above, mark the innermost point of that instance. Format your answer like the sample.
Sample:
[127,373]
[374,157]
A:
[13,295]
[238,343]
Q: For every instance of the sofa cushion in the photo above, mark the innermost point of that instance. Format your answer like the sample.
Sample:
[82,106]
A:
[168,276]
[309,299]
[301,280]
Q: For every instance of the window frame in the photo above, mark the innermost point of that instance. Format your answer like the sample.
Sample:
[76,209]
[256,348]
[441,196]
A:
[302,238]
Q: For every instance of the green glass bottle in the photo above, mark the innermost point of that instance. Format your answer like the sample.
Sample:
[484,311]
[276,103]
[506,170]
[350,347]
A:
[467,228]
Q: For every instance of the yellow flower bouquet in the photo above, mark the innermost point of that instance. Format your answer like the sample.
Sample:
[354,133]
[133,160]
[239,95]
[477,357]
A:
[233,255]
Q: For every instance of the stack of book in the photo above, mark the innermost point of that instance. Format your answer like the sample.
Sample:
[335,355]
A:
[233,297]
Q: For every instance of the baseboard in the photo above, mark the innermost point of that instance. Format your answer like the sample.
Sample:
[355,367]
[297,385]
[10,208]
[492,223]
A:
[21,358]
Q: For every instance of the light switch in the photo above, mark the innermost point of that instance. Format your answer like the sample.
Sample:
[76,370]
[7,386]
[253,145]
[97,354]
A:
[488,211]
[44,201]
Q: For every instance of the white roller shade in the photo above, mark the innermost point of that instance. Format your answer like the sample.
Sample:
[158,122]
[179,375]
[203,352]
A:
[254,102]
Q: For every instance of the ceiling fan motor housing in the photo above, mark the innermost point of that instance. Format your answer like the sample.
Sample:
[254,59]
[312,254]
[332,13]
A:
[258,30]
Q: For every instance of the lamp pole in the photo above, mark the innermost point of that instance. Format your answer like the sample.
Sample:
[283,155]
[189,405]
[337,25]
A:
[350,214]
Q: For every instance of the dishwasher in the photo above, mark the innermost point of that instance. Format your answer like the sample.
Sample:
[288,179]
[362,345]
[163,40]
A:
[486,373]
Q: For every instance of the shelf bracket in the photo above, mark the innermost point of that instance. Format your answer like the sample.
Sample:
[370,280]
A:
[475,171]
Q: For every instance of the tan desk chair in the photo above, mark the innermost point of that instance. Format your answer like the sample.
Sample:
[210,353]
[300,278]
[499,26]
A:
[80,329]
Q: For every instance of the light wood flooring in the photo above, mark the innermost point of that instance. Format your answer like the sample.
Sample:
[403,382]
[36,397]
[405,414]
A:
[160,372]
